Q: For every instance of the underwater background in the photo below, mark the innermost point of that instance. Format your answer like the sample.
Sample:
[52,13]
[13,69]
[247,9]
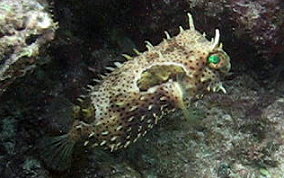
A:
[51,50]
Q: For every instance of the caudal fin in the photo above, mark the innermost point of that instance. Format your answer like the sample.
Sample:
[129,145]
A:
[57,152]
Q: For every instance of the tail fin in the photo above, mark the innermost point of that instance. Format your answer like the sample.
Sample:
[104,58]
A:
[57,152]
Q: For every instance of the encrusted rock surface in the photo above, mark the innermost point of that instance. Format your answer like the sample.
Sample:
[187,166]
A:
[260,23]
[25,27]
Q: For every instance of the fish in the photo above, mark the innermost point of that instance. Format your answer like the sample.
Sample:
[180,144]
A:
[128,102]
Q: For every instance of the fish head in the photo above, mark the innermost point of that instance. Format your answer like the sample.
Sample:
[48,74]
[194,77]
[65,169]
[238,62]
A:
[206,63]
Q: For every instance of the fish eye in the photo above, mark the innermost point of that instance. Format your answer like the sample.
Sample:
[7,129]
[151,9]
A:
[214,58]
[219,60]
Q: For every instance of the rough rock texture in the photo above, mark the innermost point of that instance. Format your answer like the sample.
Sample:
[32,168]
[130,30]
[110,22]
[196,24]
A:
[260,23]
[25,26]
[235,135]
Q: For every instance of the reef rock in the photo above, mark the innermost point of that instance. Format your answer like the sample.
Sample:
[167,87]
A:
[25,26]
[261,23]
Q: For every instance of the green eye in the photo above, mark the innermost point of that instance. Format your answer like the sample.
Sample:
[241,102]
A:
[214,59]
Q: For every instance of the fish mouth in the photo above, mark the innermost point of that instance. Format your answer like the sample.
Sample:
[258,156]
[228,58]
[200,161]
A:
[216,87]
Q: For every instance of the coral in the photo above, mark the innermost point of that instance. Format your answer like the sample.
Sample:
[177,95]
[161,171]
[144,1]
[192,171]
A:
[25,26]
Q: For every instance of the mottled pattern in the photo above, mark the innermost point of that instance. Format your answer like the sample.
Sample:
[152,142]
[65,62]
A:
[134,97]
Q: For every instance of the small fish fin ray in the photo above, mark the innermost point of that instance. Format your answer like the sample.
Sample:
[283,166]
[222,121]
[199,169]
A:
[56,152]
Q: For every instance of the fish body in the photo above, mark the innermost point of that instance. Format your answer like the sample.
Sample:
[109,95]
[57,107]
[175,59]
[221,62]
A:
[138,93]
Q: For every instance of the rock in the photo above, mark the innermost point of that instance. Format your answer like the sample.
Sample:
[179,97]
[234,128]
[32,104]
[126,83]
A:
[260,23]
[274,114]
[25,27]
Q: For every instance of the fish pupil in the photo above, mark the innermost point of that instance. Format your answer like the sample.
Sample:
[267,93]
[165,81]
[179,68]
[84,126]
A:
[214,59]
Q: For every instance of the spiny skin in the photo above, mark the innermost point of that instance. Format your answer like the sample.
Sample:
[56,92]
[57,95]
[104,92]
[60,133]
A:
[135,96]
